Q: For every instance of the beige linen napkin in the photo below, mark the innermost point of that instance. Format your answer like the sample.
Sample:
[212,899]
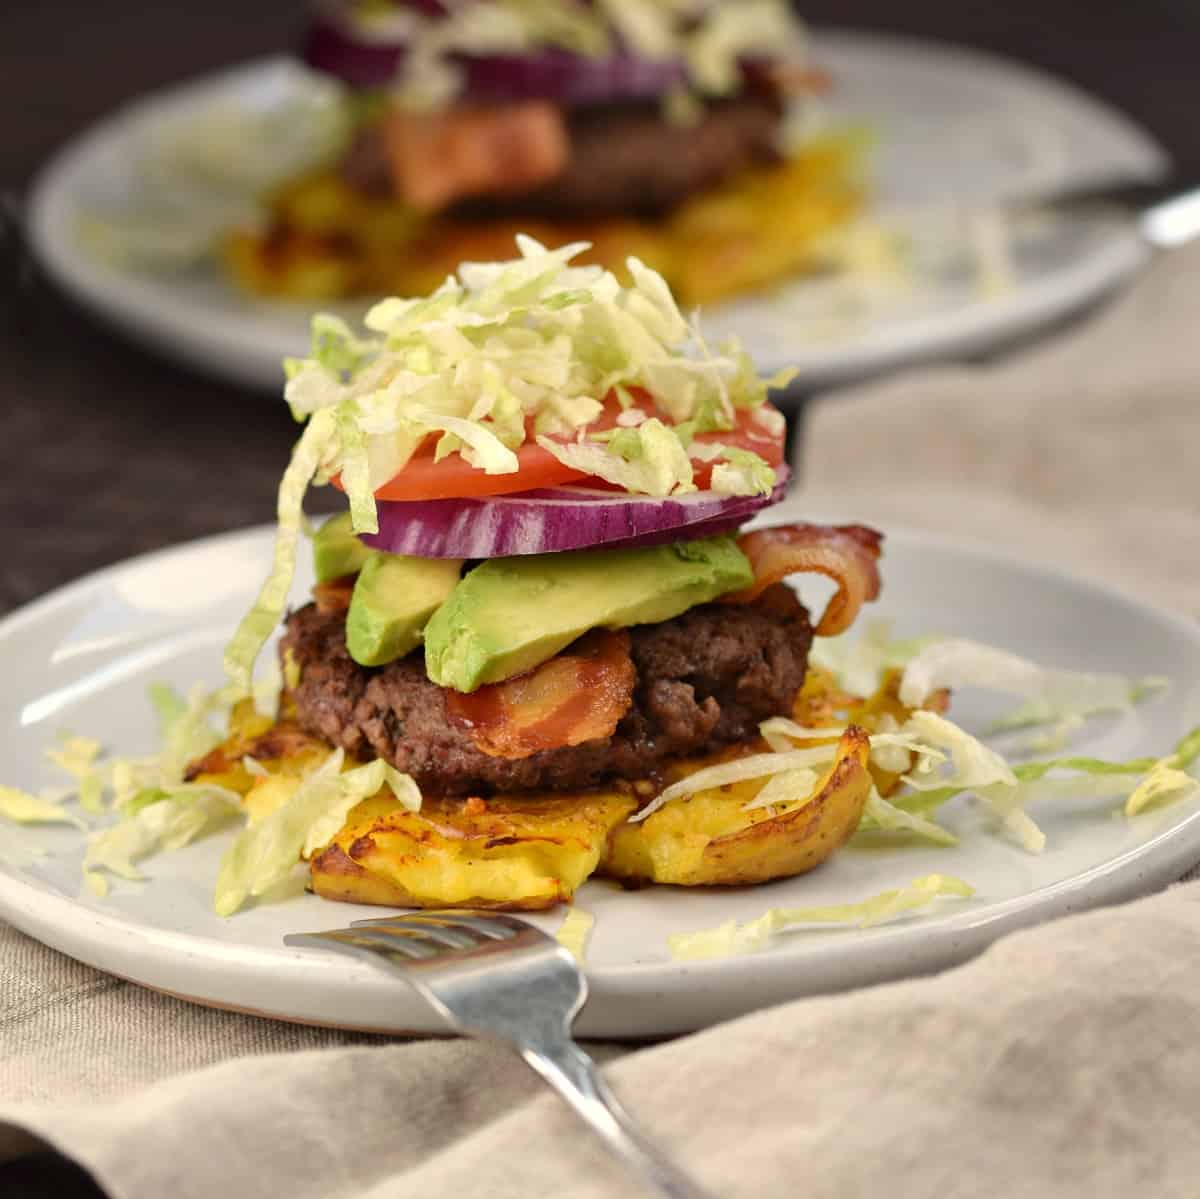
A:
[1063,1062]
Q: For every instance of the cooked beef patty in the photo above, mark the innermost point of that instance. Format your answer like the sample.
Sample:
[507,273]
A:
[632,161]
[704,679]
[625,159]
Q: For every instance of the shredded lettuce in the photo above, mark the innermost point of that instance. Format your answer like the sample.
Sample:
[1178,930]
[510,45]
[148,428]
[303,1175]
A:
[716,47]
[1061,697]
[1141,782]
[259,623]
[881,815]
[858,661]
[755,766]
[477,444]
[77,756]
[788,786]
[973,764]
[1163,783]
[173,819]
[732,938]
[265,853]
[22,807]
[779,733]
[267,688]
[533,338]
[574,931]
[648,460]
[356,469]
[741,473]
[187,731]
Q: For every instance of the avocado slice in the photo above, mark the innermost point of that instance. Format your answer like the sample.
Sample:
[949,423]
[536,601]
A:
[336,550]
[509,615]
[393,599]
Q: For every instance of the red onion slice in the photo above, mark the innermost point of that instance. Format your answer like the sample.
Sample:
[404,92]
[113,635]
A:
[558,519]
[569,79]
[331,44]
[366,60]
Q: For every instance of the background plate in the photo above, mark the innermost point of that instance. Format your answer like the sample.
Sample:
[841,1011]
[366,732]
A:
[958,131]
[81,659]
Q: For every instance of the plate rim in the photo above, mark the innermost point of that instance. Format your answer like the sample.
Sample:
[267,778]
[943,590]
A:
[134,303]
[909,948]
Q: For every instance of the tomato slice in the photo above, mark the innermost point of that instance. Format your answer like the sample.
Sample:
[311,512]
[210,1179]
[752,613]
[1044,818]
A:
[747,434]
[453,478]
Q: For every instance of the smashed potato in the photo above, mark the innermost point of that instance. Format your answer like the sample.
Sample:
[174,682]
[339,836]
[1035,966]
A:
[514,852]
[710,839]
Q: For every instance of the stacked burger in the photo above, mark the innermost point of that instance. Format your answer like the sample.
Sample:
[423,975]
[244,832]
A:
[541,613]
[654,127]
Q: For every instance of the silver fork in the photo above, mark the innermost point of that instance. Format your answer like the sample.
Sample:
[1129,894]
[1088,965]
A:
[500,978]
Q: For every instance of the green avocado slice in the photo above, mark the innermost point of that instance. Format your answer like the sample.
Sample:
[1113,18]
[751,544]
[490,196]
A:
[509,615]
[336,550]
[393,599]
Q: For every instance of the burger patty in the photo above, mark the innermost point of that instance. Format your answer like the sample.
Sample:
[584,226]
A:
[704,680]
[625,159]
[632,161]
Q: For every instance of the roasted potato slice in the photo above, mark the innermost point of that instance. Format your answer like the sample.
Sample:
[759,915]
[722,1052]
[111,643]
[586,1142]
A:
[709,839]
[513,852]
[518,853]
[280,747]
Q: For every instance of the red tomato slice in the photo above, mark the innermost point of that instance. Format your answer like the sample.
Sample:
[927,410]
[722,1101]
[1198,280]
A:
[746,434]
[453,478]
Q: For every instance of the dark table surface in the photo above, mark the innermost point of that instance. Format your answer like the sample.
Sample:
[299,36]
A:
[108,451]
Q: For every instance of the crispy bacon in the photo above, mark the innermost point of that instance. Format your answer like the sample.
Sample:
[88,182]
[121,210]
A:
[437,158]
[578,696]
[847,554]
[334,594]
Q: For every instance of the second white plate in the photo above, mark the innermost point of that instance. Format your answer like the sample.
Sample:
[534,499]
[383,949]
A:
[957,130]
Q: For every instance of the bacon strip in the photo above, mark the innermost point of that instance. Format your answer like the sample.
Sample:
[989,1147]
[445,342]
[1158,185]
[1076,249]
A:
[847,554]
[334,594]
[437,158]
[580,695]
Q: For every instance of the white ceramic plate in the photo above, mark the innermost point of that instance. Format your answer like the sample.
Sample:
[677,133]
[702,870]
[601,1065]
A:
[81,659]
[958,131]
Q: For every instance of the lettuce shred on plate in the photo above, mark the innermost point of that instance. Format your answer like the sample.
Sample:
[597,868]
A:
[732,938]
[22,807]
[574,931]
[503,354]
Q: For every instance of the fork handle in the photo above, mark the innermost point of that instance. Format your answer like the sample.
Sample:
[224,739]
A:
[573,1074]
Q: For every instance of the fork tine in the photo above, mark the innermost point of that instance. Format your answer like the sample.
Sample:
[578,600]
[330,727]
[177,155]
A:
[356,941]
[496,926]
[447,935]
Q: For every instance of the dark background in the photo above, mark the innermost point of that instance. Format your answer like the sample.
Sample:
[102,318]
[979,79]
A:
[106,451]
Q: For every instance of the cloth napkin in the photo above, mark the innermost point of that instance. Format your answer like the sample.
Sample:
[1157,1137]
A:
[1063,1062]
